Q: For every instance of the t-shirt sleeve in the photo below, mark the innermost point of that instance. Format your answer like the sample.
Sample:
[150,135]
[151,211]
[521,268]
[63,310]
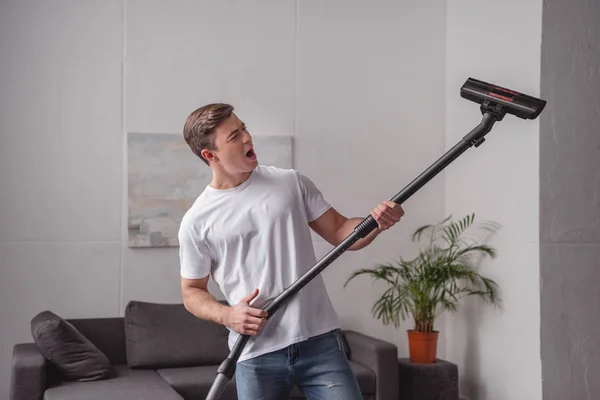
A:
[314,202]
[194,256]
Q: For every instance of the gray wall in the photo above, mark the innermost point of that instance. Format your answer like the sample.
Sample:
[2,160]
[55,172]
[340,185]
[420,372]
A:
[570,200]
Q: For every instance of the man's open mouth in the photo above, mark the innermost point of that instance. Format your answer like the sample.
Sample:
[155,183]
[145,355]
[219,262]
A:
[250,153]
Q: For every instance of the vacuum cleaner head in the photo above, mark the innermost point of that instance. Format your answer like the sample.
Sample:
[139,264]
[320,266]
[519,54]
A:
[491,96]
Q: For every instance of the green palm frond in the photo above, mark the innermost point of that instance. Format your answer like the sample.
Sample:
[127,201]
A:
[421,230]
[438,278]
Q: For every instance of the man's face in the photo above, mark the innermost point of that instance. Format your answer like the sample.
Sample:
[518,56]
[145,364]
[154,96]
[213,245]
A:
[235,152]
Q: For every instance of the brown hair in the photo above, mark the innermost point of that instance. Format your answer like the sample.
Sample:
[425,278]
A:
[201,124]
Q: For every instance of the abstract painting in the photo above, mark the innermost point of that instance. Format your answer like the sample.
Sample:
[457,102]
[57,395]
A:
[165,177]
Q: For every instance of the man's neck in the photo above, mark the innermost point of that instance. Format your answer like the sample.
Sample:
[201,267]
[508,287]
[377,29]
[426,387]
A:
[223,180]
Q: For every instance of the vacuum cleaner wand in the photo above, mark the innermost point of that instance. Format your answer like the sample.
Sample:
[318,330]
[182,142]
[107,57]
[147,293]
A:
[495,102]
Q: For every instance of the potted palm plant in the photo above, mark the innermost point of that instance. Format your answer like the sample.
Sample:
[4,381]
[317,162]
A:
[434,281]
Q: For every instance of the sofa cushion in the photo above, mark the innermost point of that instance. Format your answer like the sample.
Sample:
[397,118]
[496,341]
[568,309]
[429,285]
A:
[107,334]
[167,335]
[127,384]
[65,347]
[195,382]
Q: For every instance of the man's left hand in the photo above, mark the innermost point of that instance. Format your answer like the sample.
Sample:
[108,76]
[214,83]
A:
[387,213]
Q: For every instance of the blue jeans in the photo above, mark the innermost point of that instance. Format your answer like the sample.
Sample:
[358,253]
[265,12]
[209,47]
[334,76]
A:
[318,366]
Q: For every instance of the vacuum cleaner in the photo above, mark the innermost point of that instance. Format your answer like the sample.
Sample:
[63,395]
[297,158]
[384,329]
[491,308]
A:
[494,102]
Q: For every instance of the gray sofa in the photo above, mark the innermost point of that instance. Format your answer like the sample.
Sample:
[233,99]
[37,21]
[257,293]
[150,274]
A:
[156,351]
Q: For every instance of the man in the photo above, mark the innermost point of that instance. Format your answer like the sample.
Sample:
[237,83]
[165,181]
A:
[250,230]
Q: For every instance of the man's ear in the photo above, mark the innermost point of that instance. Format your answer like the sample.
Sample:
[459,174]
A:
[209,155]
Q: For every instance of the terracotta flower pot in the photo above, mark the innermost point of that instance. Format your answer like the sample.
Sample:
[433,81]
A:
[422,346]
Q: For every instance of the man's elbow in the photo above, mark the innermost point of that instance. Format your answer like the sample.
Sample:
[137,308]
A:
[331,226]
[187,293]
[185,300]
[185,297]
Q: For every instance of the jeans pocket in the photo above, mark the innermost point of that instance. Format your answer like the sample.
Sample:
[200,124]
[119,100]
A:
[340,342]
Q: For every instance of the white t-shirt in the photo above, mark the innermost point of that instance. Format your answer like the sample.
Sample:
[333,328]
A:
[256,235]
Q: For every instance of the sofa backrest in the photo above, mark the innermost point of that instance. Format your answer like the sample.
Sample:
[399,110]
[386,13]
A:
[155,335]
[108,334]
[167,335]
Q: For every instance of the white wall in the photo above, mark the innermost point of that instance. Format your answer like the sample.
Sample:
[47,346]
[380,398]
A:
[179,57]
[354,83]
[368,77]
[60,164]
[497,181]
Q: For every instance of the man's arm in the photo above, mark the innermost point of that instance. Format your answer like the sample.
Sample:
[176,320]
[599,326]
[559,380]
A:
[334,227]
[241,318]
[198,300]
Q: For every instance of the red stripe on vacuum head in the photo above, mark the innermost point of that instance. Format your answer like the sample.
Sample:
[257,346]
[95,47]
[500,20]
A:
[500,96]
[506,90]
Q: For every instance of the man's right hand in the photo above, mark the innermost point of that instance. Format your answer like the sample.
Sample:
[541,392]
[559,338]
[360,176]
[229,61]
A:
[244,319]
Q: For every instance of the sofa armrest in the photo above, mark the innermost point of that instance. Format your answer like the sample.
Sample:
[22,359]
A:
[381,357]
[28,374]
